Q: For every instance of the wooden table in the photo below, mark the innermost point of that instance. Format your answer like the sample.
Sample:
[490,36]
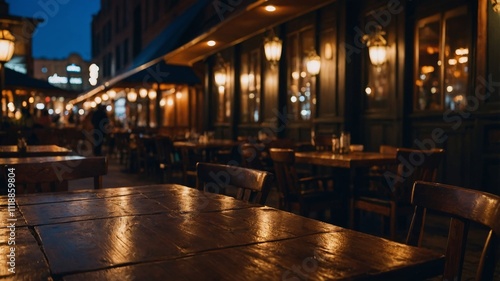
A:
[173,232]
[350,160]
[45,159]
[208,148]
[33,151]
[348,171]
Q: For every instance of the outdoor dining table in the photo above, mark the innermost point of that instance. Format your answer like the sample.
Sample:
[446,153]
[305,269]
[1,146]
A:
[33,151]
[174,232]
[208,148]
[348,170]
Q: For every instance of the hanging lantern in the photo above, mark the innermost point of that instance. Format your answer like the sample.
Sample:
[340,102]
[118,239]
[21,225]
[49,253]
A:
[272,48]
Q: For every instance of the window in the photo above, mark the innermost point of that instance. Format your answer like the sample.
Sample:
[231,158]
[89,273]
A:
[300,83]
[250,86]
[442,61]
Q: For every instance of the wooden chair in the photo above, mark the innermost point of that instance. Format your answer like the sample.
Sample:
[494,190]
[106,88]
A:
[167,159]
[253,185]
[392,198]
[53,173]
[462,206]
[309,193]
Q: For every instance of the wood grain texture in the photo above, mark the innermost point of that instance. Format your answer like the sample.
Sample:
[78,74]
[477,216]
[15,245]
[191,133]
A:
[33,151]
[350,160]
[173,232]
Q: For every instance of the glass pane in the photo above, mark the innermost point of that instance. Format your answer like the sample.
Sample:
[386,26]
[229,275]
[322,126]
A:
[250,87]
[182,107]
[300,82]
[428,82]
[456,71]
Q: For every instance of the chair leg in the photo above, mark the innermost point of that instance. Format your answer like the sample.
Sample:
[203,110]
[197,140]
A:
[392,221]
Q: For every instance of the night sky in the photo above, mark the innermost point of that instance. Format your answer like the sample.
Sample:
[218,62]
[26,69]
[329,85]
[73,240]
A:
[66,27]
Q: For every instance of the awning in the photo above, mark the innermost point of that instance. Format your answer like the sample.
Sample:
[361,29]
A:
[166,41]
[16,80]
[163,73]
[240,26]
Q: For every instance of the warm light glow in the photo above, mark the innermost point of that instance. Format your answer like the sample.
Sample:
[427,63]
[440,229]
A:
[178,95]
[220,71]
[93,104]
[152,94]
[377,46]
[270,8]
[328,51]
[211,43]
[18,115]
[81,111]
[426,69]
[98,100]
[462,51]
[463,59]
[495,4]
[143,93]
[6,45]
[132,96]
[31,100]
[295,75]
[272,48]
[111,94]
[105,97]
[293,99]
[220,78]
[452,61]
[313,63]
[40,106]
[162,102]
[368,91]
[378,54]
[170,102]
[69,106]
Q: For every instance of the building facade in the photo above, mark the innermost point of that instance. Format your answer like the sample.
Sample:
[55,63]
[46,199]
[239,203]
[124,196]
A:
[70,74]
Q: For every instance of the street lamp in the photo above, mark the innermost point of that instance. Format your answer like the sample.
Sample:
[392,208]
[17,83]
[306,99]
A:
[6,52]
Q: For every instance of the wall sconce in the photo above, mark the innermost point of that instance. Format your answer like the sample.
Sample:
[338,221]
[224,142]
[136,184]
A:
[272,48]
[220,74]
[377,46]
[6,45]
[6,52]
[495,4]
[132,95]
[313,63]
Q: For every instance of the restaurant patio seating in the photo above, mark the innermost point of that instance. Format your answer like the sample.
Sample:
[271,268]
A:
[167,159]
[391,197]
[462,206]
[42,174]
[309,193]
[252,185]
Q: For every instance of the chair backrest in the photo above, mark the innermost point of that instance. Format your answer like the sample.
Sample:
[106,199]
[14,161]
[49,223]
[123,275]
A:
[462,206]
[285,172]
[251,155]
[253,185]
[56,170]
[165,151]
[413,165]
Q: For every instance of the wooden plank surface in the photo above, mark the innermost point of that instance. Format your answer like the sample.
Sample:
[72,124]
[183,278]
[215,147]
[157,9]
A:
[342,255]
[172,232]
[34,151]
[350,160]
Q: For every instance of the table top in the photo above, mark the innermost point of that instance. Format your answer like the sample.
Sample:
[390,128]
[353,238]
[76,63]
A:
[43,159]
[349,160]
[173,232]
[33,150]
[215,143]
